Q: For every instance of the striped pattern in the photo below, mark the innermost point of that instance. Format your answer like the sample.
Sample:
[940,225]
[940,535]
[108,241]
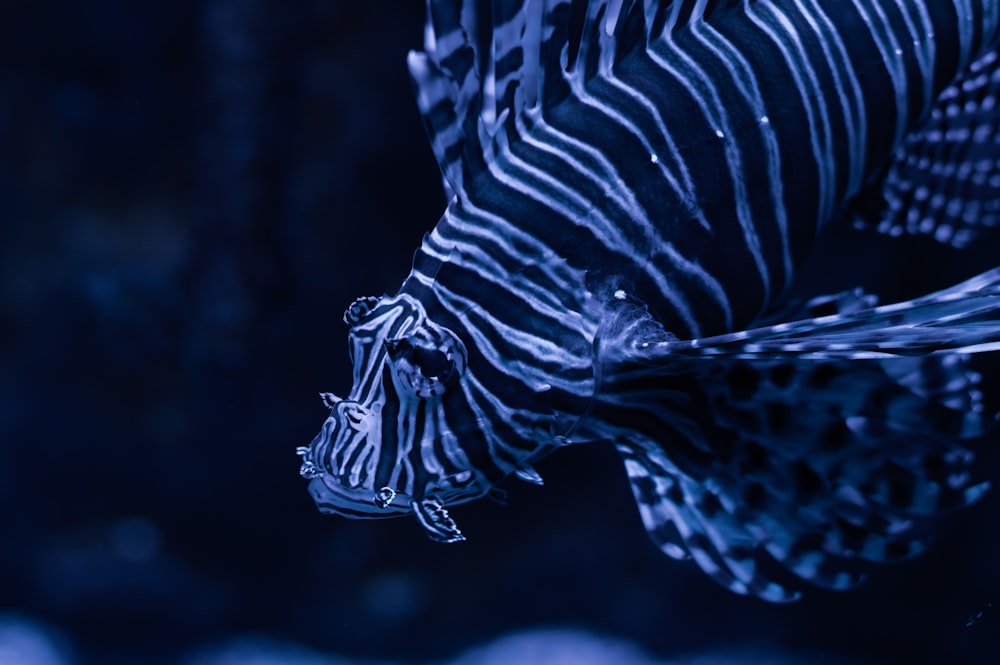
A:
[698,167]
[622,172]
[385,434]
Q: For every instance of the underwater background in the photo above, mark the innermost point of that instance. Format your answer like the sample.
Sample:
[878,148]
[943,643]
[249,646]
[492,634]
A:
[190,195]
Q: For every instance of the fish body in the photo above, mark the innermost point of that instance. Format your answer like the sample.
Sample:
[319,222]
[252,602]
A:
[633,185]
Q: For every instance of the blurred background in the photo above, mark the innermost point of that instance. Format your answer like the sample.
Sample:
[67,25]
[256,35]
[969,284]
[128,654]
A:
[190,195]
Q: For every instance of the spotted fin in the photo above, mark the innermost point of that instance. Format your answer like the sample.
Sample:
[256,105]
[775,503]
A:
[688,520]
[805,447]
[944,181]
[488,66]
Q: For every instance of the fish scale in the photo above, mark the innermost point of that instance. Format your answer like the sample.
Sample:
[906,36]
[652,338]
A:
[632,187]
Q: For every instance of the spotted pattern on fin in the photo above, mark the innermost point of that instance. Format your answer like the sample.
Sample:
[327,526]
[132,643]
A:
[739,459]
[944,181]
[686,518]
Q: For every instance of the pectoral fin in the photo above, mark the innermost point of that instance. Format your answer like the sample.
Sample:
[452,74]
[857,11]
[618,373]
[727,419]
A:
[818,443]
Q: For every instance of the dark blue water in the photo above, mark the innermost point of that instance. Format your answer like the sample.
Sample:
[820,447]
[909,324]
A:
[190,195]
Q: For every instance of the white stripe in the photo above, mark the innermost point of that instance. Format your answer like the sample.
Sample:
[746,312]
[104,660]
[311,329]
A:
[810,93]
[473,256]
[468,219]
[746,82]
[528,344]
[474,391]
[505,167]
[549,139]
[452,447]
[888,46]
[685,187]
[706,96]
[924,47]
[852,99]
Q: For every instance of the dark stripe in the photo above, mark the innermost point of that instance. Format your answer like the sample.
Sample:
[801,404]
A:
[388,445]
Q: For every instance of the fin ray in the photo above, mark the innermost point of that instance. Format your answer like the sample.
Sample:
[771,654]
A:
[770,444]
[962,319]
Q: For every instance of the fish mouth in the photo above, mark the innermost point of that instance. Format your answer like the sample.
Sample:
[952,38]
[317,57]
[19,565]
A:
[333,497]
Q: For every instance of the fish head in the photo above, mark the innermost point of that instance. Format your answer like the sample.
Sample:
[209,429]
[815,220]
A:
[391,447]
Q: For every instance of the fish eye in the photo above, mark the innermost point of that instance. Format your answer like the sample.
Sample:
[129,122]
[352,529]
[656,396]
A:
[432,362]
[426,363]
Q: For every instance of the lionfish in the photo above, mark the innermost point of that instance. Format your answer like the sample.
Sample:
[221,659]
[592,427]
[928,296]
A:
[632,187]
